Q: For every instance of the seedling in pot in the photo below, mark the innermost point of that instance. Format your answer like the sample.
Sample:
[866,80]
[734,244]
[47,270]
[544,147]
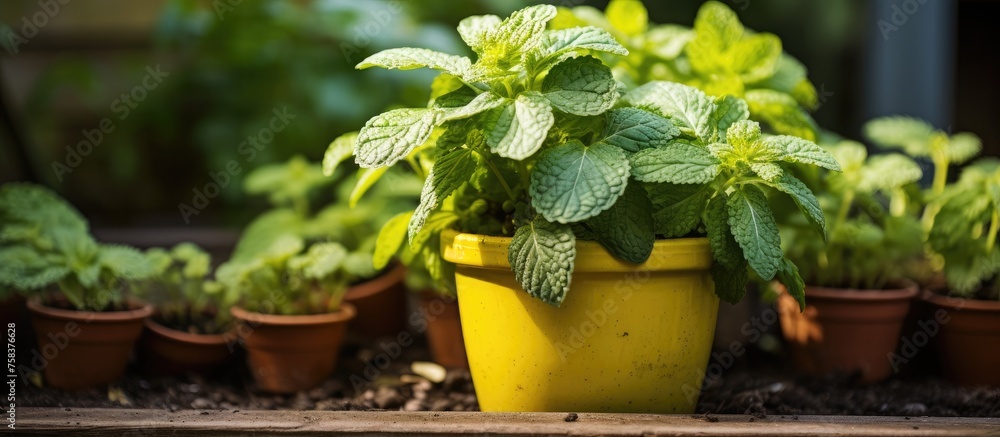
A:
[184,297]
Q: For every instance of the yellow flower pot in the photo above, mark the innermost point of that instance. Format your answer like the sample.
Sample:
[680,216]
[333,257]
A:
[628,338]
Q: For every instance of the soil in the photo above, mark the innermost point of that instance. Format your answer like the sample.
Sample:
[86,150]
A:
[757,386]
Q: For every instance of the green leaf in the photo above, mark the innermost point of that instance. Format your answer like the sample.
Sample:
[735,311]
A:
[390,136]
[756,57]
[687,107]
[321,261]
[768,171]
[338,151]
[781,112]
[910,134]
[436,222]
[725,250]
[788,274]
[626,229]
[481,103]
[475,29]
[366,178]
[716,29]
[518,34]
[24,268]
[730,283]
[573,182]
[677,208]
[35,205]
[628,16]
[667,41]
[634,129]
[542,255]
[676,163]
[124,262]
[580,86]
[963,147]
[804,199]
[802,151]
[408,58]
[888,172]
[517,130]
[390,237]
[566,41]
[728,110]
[755,230]
[450,171]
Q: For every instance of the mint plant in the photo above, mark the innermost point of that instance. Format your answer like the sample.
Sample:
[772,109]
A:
[874,231]
[179,288]
[45,243]
[965,230]
[718,55]
[534,140]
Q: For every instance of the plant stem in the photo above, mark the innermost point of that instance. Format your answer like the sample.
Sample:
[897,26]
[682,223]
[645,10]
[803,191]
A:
[496,172]
[845,207]
[991,236]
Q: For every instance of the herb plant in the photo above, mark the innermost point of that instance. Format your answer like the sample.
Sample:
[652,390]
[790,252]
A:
[292,260]
[874,235]
[45,242]
[184,297]
[718,55]
[965,231]
[535,140]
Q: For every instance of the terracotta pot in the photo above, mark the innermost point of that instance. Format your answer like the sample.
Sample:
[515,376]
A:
[845,329]
[969,342]
[84,349]
[167,351]
[381,304]
[287,354]
[444,330]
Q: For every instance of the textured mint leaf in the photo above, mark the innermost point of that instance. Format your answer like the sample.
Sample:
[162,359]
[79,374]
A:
[755,57]
[517,130]
[755,230]
[676,163]
[781,112]
[566,41]
[728,110]
[390,136]
[450,171]
[518,34]
[367,177]
[475,29]
[338,151]
[542,255]
[963,147]
[788,274]
[634,129]
[725,250]
[24,268]
[677,208]
[573,182]
[408,58]
[480,103]
[716,29]
[768,171]
[581,86]
[804,199]
[907,133]
[667,41]
[628,16]
[687,107]
[802,151]
[626,229]
[124,262]
[888,172]
[321,261]
[389,239]
[429,201]
[730,283]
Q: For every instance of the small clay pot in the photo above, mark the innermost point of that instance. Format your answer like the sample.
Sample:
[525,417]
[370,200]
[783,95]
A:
[969,341]
[288,354]
[381,304]
[84,349]
[169,352]
[846,330]
[444,330]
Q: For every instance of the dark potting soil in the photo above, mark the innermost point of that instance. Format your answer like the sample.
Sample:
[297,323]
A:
[758,386]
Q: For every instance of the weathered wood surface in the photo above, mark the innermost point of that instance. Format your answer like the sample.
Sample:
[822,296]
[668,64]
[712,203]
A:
[134,422]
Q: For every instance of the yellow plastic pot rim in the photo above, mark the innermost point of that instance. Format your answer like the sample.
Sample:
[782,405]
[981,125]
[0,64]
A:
[490,252]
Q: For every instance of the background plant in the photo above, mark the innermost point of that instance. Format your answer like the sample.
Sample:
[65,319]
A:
[537,117]
[180,289]
[718,55]
[965,231]
[874,234]
[45,243]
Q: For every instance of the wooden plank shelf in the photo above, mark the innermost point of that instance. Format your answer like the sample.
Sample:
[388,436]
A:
[136,422]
